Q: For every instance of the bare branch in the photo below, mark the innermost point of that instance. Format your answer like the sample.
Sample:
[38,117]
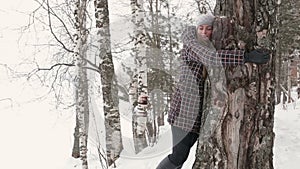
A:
[203,5]
[102,157]
[93,69]
[91,63]
[7,67]
[52,32]
[8,99]
[55,65]
[67,64]
[49,9]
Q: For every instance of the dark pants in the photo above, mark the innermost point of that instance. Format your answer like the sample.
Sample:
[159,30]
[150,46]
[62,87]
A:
[182,143]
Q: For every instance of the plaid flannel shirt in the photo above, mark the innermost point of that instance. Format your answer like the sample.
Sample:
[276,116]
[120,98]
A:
[187,100]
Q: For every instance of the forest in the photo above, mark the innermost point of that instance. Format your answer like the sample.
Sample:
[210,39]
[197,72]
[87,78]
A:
[113,61]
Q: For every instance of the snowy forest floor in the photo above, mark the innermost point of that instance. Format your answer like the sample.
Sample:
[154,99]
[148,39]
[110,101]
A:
[35,138]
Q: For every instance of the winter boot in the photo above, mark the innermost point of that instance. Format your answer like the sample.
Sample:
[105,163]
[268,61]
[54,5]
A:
[167,164]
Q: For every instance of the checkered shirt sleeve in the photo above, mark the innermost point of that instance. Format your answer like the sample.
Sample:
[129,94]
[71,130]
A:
[197,52]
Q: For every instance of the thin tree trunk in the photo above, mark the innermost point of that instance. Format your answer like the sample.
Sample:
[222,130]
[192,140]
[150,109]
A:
[241,117]
[298,79]
[140,112]
[171,58]
[155,61]
[114,144]
[278,71]
[284,82]
[75,150]
[289,81]
[82,104]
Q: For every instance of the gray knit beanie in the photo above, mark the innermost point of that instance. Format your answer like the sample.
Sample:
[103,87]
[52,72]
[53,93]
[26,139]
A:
[205,19]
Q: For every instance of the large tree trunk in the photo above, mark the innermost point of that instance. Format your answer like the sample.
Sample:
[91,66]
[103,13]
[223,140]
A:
[82,103]
[238,129]
[114,144]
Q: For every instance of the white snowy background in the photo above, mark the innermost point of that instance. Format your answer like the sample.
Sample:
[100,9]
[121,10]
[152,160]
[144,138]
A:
[37,136]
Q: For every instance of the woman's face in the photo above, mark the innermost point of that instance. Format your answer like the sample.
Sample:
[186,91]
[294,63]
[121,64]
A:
[205,30]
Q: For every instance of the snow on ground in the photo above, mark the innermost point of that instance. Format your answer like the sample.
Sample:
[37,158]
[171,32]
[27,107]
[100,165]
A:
[286,148]
[149,157]
[35,137]
[287,136]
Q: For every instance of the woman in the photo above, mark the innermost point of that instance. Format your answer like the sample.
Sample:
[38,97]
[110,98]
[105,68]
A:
[186,106]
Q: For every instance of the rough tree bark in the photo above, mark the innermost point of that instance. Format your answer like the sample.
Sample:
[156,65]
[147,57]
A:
[237,132]
[114,144]
[81,84]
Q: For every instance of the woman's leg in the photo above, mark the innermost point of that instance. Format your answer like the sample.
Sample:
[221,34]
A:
[182,143]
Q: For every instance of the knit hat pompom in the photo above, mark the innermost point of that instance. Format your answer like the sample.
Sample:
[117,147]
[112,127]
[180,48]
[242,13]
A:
[205,19]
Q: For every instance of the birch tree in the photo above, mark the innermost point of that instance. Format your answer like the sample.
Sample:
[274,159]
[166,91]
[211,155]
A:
[153,41]
[108,83]
[238,130]
[82,106]
[158,56]
[138,87]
